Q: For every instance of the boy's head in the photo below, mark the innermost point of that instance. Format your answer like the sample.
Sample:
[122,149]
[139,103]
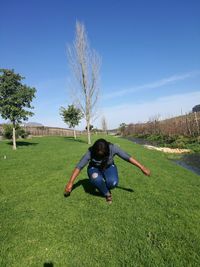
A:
[100,149]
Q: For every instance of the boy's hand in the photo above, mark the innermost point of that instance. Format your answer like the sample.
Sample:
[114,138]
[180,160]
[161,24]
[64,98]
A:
[68,189]
[146,171]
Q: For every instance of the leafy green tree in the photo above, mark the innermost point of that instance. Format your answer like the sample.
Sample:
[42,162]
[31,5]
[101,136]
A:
[15,99]
[71,116]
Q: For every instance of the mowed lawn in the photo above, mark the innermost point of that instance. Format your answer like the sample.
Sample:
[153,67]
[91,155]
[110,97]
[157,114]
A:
[153,221]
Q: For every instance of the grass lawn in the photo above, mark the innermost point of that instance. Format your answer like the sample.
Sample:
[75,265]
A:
[153,221]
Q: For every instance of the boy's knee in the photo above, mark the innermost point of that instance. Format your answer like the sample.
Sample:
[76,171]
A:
[94,175]
[112,184]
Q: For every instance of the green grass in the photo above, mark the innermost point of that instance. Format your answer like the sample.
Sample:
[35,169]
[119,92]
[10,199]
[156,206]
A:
[155,225]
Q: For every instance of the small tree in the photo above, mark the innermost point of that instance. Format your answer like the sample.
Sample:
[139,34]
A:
[14,99]
[71,116]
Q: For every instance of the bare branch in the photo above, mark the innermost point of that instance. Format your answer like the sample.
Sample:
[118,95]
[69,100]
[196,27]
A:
[85,67]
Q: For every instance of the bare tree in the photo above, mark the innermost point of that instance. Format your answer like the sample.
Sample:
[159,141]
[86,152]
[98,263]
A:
[104,124]
[154,121]
[188,124]
[197,123]
[85,65]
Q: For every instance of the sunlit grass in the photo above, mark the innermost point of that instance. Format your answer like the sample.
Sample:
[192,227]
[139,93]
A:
[153,221]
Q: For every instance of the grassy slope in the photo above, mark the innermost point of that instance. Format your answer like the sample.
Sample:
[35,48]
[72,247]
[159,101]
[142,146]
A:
[155,225]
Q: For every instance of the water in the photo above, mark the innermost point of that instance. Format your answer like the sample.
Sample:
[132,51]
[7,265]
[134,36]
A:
[188,161]
[141,141]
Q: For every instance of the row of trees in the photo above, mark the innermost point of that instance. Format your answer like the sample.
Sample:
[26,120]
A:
[186,125]
[84,62]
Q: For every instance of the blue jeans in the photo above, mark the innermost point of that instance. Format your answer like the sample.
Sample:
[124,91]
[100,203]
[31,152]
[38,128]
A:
[103,180]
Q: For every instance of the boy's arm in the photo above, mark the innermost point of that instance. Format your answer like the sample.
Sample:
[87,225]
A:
[84,160]
[122,154]
[69,185]
[145,170]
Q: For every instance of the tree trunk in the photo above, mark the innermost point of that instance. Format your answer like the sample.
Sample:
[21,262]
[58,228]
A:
[88,132]
[14,138]
[74,134]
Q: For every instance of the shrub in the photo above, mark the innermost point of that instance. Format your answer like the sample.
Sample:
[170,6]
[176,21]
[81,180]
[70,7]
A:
[8,132]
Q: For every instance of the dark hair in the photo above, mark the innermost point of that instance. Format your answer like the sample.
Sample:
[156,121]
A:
[100,149]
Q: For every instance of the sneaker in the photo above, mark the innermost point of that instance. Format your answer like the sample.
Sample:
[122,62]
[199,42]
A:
[109,199]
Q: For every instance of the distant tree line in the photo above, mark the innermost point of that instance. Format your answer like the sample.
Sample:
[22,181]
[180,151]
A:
[186,125]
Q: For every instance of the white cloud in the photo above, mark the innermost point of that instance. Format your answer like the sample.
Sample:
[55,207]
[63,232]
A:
[153,85]
[164,106]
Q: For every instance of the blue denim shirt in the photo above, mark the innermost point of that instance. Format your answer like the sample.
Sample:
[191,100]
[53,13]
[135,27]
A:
[114,150]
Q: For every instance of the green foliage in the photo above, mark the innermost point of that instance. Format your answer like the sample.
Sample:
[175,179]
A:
[8,131]
[142,136]
[172,141]
[15,97]
[162,139]
[157,224]
[22,133]
[71,115]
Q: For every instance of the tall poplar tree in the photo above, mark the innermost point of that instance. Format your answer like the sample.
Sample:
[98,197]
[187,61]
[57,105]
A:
[85,65]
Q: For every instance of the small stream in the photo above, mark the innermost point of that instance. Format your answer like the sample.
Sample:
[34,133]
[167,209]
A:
[188,161]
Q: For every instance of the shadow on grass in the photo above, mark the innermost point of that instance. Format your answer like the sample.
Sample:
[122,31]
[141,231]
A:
[126,189]
[48,264]
[90,189]
[22,143]
[70,138]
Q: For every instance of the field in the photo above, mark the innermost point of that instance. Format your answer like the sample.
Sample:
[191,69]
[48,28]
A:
[153,221]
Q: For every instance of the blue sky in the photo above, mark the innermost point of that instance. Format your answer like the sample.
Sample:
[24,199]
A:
[150,53]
